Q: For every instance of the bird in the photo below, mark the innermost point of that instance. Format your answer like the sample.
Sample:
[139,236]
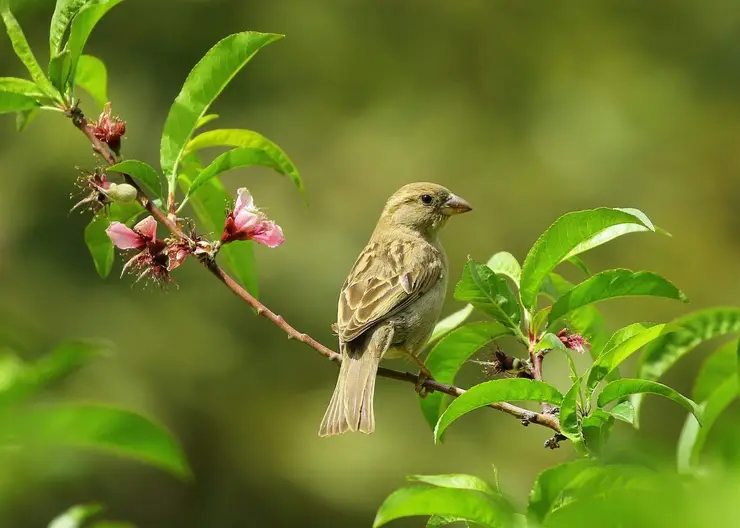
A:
[391,300]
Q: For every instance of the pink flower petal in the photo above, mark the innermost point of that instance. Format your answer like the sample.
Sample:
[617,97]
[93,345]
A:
[244,201]
[245,219]
[125,238]
[177,257]
[271,235]
[147,228]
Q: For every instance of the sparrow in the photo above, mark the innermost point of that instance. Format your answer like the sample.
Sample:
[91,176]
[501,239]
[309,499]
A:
[391,300]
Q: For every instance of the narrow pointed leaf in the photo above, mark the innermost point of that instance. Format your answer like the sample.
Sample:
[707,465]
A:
[204,83]
[513,389]
[450,354]
[271,154]
[76,516]
[578,263]
[615,231]
[505,263]
[549,485]
[82,26]
[203,121]
[24,118]
[612,284]
[92,77]
[489,292]
[694,436]
[143,172]
[449,323]
[625,387]
[716,369]
[64,12]
[458,481]
[15,102]
[427,500]
[698,327]
[571,234]
[611,358]
[24,53]
[102,428]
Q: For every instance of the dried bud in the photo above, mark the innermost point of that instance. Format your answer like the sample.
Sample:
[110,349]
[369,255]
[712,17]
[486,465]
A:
[109,129]
[122,193]
[94,187]
[573,341]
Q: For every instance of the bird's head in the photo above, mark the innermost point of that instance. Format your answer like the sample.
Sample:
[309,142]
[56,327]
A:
[423,206]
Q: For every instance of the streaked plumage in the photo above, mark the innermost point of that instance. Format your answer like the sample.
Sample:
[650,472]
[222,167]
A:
[391,300]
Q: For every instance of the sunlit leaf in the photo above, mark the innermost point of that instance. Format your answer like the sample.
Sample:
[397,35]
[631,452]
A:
[571,234]
[448,356]
[76,516]
[92,77]
[505,263]
[141,171]
[611,284]
[449,323]
[64,12]
[578,263]
[204,83]
[625,387]
[716,369]
[623,411]
[203,121]
[435,521]
[265,152]
[97,427]
[494,391]
[20,86]
[457,480]
[15,102]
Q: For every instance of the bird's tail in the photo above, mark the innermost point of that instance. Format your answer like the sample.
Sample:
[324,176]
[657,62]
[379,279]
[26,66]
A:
[351,405]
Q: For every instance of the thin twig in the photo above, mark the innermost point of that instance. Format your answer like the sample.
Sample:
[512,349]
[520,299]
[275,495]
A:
[102,149]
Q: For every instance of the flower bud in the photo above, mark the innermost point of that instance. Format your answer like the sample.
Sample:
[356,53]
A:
[122,193]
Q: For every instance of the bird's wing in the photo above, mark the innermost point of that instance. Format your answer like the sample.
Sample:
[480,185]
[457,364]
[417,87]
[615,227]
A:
[385,279]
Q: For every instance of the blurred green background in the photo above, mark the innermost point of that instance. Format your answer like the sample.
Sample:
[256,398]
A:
[526,109]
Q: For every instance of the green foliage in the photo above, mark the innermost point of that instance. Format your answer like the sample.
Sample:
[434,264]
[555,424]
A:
[97,240]
[143,172]
[625,387]
[75,516]
[92,76]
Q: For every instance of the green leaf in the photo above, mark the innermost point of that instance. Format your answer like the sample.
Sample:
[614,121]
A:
[597,428]
[623,411]
[23,51]
[59,68]
[483,394]
[578,263]
[449,323]
[489,292]
[571,234]
[693,435]
[449,355]
[611,284]
[549,486]
[549,341]
[82,26]
[203,121]
[64,12]
[612,357]
[265,152]
[102,428]
[698,327]
[716,369]
[624,387]
[20,86]
[100,245]
[15,102]
[66,357]
[505,263]
[204,83]
[210,207]
[24,118]
[76,516]
[569,423]
[143,172]
[427,500]
[457,480]
[92,77]
[435,521]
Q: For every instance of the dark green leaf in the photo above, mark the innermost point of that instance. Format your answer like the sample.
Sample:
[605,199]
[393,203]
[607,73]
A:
[512,389]
[210,207]
[458,481]
[14,102]
[449,323]
[143,172]
[102,428]
[698,327]
[64,12]
[597,428]
[92,77]
[624,387]
[100,245]
[24,118]
[612,284]
[624,345]
[489,292]
[549,485]
[623,411]
[693,435]
[82,26]
[569,422]
[571,234]
[204,83]
[505,263]
[265,152]
[23,51]
[59,68]
[76,516]
[449,355]
[716,369]
[426,500]
[66,357]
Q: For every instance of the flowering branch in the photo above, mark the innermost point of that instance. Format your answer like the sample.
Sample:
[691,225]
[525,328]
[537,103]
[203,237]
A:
[269,233]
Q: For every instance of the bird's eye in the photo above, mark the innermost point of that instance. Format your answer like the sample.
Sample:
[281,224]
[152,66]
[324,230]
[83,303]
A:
[426,199]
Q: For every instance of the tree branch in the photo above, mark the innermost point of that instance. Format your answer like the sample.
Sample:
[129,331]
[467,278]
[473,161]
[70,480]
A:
[102,149]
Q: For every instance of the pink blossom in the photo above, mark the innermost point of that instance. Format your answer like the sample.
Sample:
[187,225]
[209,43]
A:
[573,341]
[247,222]
[143,233]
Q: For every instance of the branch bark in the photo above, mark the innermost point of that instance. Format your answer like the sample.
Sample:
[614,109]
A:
[526,416]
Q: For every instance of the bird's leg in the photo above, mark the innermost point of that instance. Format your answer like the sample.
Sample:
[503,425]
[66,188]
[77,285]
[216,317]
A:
[424,375]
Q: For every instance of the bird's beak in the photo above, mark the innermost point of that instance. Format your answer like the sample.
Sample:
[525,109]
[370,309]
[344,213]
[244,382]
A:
[456,205]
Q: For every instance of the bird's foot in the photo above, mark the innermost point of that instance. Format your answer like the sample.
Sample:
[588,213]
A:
[420,389]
